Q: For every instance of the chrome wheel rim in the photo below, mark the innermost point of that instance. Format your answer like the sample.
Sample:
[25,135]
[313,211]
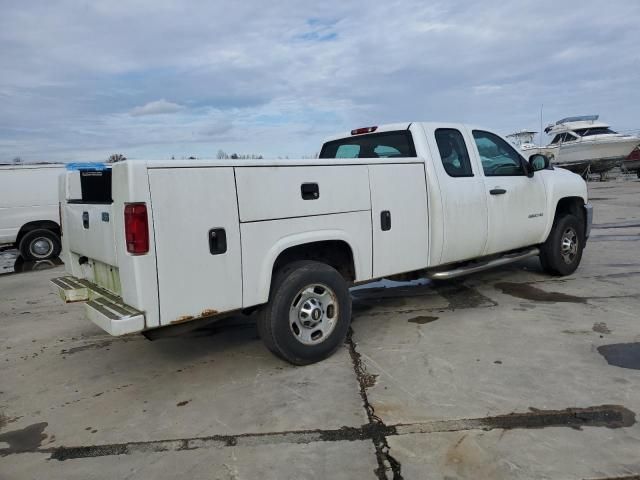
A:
[41,247]
[569,245]
[313,314]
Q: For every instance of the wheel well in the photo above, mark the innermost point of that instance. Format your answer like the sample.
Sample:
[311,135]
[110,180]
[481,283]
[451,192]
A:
[335,253]
[37,225]
[570,205]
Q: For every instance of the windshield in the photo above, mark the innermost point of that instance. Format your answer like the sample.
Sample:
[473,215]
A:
[587,132]
[376,145]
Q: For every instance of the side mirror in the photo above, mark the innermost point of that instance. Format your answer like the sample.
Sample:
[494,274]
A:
[537,161]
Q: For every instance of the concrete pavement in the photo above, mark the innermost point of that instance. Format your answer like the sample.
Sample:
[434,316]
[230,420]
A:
[499,375]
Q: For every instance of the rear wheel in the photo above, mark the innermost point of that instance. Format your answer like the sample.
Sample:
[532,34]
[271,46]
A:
[308,315]
[40,244]
[562,252]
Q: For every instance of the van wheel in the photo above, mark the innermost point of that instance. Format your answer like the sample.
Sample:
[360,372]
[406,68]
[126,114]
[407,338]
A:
[308,315]
[40,245]
[562,252]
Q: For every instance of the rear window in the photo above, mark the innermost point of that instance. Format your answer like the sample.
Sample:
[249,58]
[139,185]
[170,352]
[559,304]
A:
[375,145]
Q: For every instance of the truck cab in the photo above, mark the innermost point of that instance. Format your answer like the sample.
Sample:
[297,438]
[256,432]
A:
[176,241]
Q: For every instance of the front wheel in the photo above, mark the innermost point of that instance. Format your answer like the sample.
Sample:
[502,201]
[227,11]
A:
[562,252]
[308,314]
[40,244]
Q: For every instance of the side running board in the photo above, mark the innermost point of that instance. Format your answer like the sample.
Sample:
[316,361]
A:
[478,267]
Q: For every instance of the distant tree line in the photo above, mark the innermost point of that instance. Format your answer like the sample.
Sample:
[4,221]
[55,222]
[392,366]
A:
[222,155]
[116,157]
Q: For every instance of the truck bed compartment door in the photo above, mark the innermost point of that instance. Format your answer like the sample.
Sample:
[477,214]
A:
[400,218]
[195,218]
[269,193]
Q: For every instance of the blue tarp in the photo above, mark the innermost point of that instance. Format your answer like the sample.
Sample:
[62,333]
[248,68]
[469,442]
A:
[87,166]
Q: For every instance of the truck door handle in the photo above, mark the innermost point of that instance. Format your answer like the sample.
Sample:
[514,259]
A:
[497,191]
[85,219]
[217,241]
[385,220]
[310,191]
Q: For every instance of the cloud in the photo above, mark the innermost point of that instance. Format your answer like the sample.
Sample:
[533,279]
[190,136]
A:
[156,108]
[93,80]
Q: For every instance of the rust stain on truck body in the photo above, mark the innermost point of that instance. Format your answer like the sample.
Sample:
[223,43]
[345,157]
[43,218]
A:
[208,312]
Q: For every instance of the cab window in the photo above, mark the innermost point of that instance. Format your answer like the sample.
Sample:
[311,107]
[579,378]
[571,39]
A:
[453,152]
[497,156]
[394,144]
[347,151]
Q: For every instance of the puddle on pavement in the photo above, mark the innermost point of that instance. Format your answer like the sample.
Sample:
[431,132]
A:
[24,440]
[461,296]
[89,346]
[609,416]
[388,293]
[12,262]
[421,320]
[529,292]
[624,355]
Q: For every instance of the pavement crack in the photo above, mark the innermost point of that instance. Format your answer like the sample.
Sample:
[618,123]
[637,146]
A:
[376,428]
[608,416]
[624,477]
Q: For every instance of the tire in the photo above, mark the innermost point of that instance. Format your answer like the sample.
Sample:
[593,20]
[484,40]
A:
[561,253]
[40,244]
[308,314]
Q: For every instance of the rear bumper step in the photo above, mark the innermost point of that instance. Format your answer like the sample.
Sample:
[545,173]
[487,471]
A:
[105,309]
[70,289]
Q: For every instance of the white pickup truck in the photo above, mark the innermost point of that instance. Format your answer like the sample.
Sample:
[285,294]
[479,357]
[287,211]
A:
[186,240]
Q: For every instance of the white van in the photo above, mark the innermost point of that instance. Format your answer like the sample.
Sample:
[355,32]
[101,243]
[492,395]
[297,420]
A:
[29,212]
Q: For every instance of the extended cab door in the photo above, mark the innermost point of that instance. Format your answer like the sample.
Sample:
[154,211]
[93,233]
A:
[516,202]
[463,202]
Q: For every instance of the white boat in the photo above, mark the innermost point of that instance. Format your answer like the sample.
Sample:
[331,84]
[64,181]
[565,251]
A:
[585,145]
[523,139]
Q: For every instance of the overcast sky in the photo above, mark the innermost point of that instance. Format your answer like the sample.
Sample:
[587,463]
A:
[156,78]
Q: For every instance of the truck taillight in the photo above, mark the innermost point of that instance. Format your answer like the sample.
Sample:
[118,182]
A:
[136,228]
[360,131]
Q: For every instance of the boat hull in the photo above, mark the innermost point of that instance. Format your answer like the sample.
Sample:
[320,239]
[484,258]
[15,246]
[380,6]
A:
[598,155]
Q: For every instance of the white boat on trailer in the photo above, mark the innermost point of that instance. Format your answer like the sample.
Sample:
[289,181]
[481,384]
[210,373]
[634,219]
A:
[585,145]
[523,139]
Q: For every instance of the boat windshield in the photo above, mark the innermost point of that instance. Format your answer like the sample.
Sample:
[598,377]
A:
[587,132]
[562,138]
